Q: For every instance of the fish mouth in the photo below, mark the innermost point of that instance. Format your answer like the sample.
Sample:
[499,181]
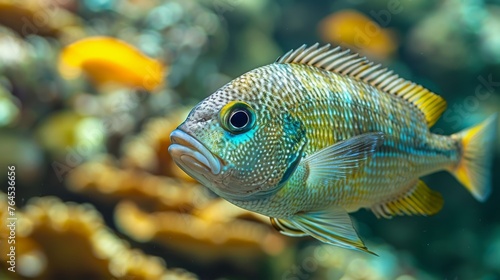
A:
[191,155]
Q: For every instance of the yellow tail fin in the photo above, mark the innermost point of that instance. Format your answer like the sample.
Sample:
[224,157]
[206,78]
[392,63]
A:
[474,167]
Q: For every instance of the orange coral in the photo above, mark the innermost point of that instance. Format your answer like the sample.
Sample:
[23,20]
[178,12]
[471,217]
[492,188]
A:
[204,237]
[51,235]
[104,180]
[180,215]
[35,17]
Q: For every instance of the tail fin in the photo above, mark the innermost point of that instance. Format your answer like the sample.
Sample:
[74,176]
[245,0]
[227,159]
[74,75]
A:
[474,167]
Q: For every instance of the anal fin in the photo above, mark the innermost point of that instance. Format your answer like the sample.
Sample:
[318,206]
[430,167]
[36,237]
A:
[419,200]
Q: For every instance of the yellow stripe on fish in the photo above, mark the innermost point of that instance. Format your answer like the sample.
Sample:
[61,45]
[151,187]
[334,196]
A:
[321,133]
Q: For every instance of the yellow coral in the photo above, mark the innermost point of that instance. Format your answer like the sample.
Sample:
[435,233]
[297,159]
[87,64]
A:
[180,215]
[36,17]
[57,240]
[198,237]
[103,180]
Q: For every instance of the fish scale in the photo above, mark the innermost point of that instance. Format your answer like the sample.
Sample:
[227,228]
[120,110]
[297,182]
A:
[341,118]
[321,133]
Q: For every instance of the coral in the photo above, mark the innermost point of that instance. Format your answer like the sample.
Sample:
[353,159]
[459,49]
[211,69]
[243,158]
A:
[196,234]
[149,150]
[103,180]
[57,240]
[10,107]
[37,17]
[181,215]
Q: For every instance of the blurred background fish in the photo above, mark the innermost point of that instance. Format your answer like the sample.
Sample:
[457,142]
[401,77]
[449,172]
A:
[91,90]
[356,31]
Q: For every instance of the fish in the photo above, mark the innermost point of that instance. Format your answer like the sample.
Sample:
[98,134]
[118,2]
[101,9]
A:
[108,61]
[321,133]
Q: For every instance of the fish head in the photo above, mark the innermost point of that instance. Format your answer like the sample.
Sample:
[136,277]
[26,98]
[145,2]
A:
[239,143]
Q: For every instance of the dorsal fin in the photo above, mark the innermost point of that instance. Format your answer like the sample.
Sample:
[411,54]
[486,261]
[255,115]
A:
[346,63]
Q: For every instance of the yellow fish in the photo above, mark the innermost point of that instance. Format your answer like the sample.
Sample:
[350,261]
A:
[321,133]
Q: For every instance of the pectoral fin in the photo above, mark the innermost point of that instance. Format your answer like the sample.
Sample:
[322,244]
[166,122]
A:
[287,228]
[332,226]
[337,161]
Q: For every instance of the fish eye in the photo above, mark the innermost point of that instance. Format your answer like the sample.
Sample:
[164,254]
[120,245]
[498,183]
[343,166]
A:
[237,117]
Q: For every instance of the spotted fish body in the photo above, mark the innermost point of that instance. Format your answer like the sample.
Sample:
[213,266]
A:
[333,108]
[321,133]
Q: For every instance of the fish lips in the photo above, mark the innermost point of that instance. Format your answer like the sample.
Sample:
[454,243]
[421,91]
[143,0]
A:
[192,156]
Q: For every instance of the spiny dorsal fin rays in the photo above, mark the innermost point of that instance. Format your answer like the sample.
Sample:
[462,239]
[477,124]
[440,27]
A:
[324,55]
[290,55]
[346,63]
[315,54]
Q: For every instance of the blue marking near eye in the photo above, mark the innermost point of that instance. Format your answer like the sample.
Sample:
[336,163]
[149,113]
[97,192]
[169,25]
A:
[240,138]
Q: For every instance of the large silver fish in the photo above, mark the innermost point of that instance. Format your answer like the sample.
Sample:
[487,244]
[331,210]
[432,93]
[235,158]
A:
[322,132]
